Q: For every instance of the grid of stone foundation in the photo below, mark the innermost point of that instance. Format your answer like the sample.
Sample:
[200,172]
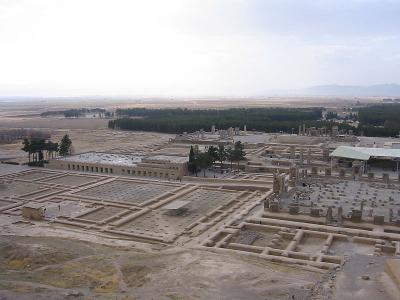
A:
[374,202]
[301,243]
[122,207]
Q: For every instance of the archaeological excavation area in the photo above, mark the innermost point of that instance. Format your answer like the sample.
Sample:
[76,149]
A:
[325,228]
[147,211]
[291,221]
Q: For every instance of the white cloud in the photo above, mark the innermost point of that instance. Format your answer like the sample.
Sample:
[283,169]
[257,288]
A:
[179,47]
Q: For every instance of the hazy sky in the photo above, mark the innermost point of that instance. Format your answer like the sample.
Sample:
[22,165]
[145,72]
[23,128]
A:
[195,47]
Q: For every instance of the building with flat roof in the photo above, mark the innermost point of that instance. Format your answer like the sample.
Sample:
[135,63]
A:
[161,166]
[385,158]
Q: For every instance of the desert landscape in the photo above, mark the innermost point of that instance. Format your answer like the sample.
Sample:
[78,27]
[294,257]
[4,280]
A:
[227,235]
[199,150]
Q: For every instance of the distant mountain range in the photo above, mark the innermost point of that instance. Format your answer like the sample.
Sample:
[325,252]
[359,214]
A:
[332,90]
[379,90]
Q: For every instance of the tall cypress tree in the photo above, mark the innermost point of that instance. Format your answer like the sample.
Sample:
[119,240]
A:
[65,145]
[192,161]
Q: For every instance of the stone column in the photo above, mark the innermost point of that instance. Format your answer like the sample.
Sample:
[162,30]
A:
[328,218]
[340,216]
[385,177]
[314,171]
[274,206]
[276,186]
[325,154]
[301,156]
[362,205]
[292,152]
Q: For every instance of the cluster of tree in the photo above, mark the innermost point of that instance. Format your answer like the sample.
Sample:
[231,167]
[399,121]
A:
[203,160]
[331,115]
[41,150]
[271,113]
[75,113]
[380,120]
[9,135]
[351,116]
[181,120]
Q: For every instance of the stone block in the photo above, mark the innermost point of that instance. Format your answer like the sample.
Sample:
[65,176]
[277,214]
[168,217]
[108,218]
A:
[356,215]
[379,220]
[273,207]
[314,212]
[293,209]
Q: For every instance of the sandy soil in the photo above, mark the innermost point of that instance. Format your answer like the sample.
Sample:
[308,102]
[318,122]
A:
[84,140]
[56,268]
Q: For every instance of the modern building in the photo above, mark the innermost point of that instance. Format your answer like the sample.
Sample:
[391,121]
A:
[161,166]
[368,157]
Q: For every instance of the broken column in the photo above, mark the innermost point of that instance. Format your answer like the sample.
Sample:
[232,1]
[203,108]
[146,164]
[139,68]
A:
[328,171]
[292,152]
[328,218]
[314,171]
[325,154]
[340,216]
[385,177]
[277,184]
[301,156]
[213,129]
[293,209]
[274,206]
[362,205]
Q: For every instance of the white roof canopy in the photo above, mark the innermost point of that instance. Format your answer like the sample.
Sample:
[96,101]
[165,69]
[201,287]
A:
[362,153]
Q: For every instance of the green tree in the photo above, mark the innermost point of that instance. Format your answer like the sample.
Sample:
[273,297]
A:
[330,115]
[230,155]
[213,152]
[238,152]
[27,147]
[204,161]
[192,165]
[51,148]
[38,146]
[221,155]
[65,145]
